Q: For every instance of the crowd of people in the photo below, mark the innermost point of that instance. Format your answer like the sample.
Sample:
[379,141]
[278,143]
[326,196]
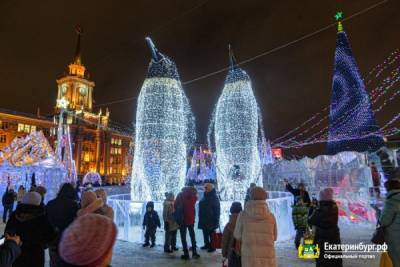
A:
[79,230]
[76,232]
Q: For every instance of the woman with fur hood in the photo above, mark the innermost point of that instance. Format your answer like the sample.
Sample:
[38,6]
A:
[256,230]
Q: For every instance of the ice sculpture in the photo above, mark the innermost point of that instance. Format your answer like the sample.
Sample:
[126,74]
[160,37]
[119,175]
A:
[164,131]
[236,133]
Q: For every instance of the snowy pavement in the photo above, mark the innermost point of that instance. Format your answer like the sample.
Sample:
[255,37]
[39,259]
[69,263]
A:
[129,254]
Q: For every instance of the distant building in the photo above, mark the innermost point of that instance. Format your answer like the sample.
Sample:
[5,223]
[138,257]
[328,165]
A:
[98,146]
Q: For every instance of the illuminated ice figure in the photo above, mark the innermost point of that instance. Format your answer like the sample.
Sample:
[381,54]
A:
[236,132]
[164,131]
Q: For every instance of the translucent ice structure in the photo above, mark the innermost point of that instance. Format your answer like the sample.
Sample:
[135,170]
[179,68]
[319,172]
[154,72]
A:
[129,216]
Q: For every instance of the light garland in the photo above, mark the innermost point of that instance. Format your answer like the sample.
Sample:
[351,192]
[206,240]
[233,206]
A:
[236,132]
[164,132]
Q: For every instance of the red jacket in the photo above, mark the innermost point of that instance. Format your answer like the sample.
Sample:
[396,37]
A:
[187,198]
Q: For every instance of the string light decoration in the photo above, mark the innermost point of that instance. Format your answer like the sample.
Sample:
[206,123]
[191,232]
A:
[348,90]
[236,132]
[164,131]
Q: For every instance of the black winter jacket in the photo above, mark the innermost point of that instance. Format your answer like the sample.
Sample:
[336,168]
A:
[297,195]
[209,211]
[151,220]
[325,218]
[31,224]
[62,210]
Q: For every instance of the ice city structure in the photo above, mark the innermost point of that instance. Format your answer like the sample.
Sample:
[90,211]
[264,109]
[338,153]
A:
[164,131]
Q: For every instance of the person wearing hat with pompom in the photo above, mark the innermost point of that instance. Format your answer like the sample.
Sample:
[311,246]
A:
[325,219]
[88,241]
[256,231]
[30,222]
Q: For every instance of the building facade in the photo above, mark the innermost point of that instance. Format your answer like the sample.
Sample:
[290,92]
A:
[97,145]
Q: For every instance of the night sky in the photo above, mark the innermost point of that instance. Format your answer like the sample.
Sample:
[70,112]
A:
[38,41]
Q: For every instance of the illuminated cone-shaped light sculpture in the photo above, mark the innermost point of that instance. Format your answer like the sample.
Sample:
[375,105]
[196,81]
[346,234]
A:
[236,132]
[352,123]
[164,131]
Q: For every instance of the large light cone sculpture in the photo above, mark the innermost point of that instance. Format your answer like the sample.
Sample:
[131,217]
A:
[236,135]
[164,131]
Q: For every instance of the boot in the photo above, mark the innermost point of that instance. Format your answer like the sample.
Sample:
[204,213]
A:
[194,254]
[146,244]
[185,255]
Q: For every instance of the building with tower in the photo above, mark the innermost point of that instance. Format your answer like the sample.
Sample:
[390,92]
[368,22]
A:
[98,145]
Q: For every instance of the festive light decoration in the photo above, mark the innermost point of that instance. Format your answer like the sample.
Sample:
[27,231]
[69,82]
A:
[236,132]
[291,138]
[348,90]
[164,131]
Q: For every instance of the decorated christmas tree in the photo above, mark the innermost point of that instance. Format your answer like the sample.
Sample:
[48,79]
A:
[352,123]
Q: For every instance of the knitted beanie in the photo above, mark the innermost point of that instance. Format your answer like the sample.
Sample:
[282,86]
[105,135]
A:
[32,198]
[236,207]
[258,193]
[326,194]
[88,241]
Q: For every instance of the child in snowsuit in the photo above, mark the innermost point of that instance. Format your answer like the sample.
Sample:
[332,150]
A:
[150,222]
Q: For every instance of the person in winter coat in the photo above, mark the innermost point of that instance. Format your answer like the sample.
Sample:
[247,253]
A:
[29,221]
[390,219]
[21,193]
[257,232]
[230,246]
[107,210]
[10,250]
[376,181]
[42,192]
[8,200]
[90,203]
[186,211]
[209,213]
[150,223]
[325,219]
[88,242]
[300,211]
[61,212]
[170,226]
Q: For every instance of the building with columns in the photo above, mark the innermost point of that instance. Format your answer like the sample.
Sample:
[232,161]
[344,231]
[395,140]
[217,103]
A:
[98,145]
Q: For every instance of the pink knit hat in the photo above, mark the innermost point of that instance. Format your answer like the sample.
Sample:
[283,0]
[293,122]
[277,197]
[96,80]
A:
[88,241]
[326,194]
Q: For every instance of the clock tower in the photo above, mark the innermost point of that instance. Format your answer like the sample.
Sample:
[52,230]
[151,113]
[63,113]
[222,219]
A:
[76,87]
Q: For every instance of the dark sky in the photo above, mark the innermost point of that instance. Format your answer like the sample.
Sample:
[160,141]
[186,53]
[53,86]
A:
[38,41]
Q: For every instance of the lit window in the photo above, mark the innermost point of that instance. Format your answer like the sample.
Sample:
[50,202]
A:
[33,129]
[3,139]
[21,127]
[27,128]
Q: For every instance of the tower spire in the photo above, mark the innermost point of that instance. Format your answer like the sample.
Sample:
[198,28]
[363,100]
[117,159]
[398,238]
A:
[339,18]
[77,56]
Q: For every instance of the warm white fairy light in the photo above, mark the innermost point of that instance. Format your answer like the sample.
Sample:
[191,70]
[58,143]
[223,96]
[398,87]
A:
[236,136]
[164,133]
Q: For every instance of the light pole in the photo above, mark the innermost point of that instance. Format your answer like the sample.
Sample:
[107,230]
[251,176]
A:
[62,104]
